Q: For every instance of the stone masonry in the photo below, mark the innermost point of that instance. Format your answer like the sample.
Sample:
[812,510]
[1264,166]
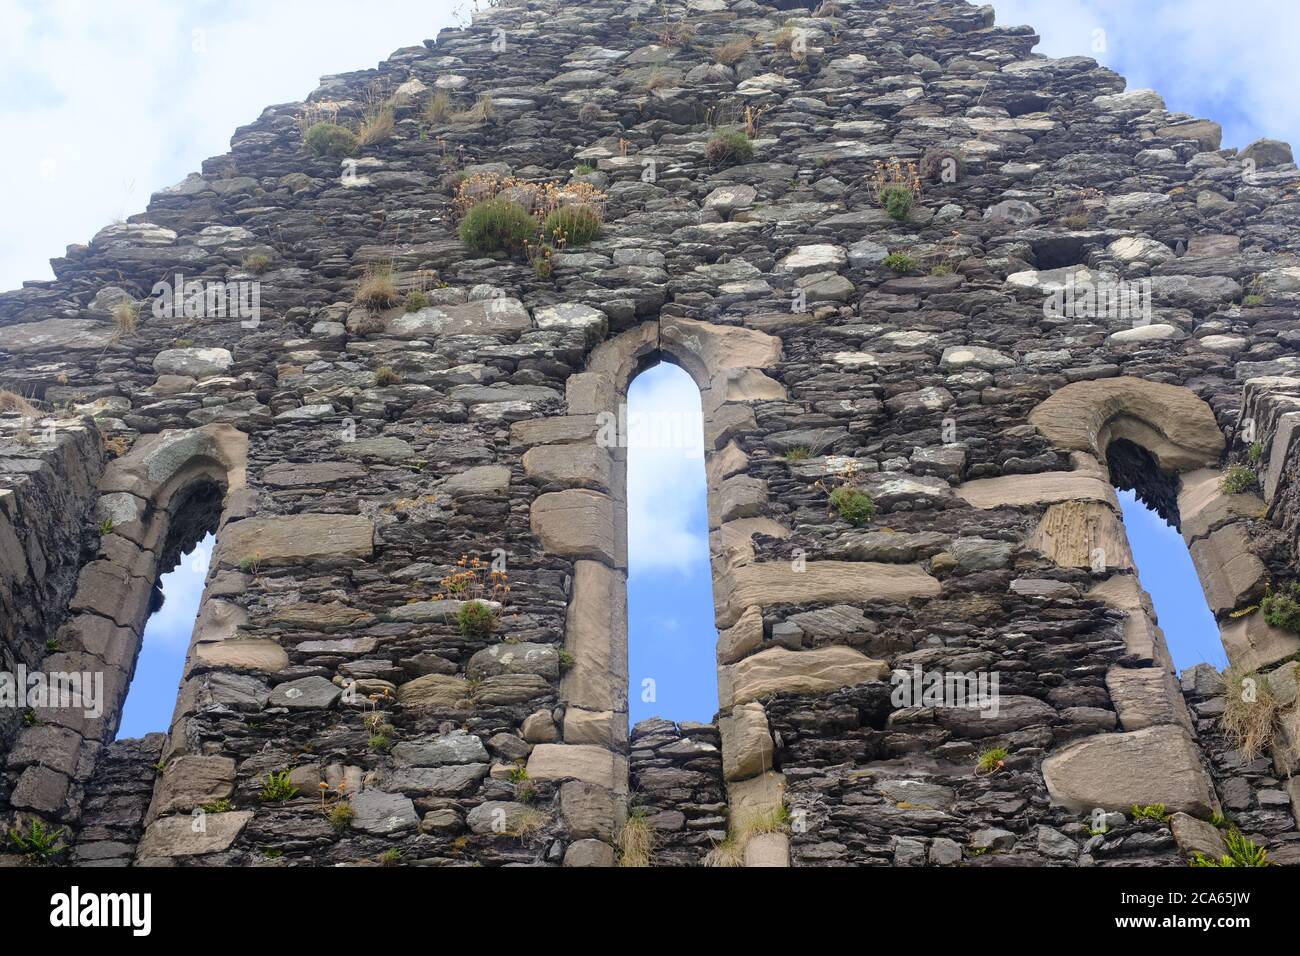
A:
[353,454]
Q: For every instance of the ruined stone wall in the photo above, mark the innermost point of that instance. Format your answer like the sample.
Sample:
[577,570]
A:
[350,455]
[48,472]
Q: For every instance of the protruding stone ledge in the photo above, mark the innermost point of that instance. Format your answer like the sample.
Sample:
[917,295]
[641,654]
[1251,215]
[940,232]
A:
[779,671]
[1044,488]
[319,539]
[1117,771]
[577,524]
[818,582]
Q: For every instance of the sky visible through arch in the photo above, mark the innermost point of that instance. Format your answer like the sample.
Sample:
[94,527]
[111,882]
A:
[97,139]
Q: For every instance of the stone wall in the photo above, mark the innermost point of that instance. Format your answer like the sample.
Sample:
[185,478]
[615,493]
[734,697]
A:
[49,468]
[354,455]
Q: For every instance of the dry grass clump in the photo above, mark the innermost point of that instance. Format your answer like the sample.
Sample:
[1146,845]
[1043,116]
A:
[377,289]
[1253,716]
[13,402]
[482,111]
[377,125]
[438,108]
[731,851]
[733,51]
[125,316]
[636,841]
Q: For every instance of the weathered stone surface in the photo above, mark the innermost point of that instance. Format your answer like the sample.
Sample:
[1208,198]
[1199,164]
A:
[381,813]
[296,539]
[746,742]
[1230,571]
[592,765]
[176,836]
[1115,771]
[1045,488]
[779,671]
[1146,696]
[309,693]
[577,523]
[765,584]
[1170,422]
[1082,534]
[192,781]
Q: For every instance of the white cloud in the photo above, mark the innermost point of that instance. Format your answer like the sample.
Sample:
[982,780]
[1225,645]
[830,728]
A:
[1234,64]
[104,102]
[665,483]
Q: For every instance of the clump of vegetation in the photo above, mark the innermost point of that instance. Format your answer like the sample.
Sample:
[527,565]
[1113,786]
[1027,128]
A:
[217,806]
[377,289]
[1255,452]
[341,815]
[482,111]
[798,453]
[853,505]
[125,317]
[391,857]
[733,51]
[476,619]
[573,225]
[277,788]
[387,376]
[941,269]
[438,108]
[900,262]
[1252,715]
[678,33]
[583,169]
[497,225]
[589,113]
[416,300]
[1282,607]
[39,844]
[256,262]
[13,402]
[1075,220]
[1150,811]
[727,147]
[898,185]
[377,125]
[636,840]
[1237,480]
[539,254]
[1251,302]
[991,761]
[566,660]
[731,851]
[1242,851]
[330,140]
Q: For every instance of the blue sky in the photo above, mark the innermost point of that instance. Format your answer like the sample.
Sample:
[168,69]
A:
[110,100]
[167,633]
